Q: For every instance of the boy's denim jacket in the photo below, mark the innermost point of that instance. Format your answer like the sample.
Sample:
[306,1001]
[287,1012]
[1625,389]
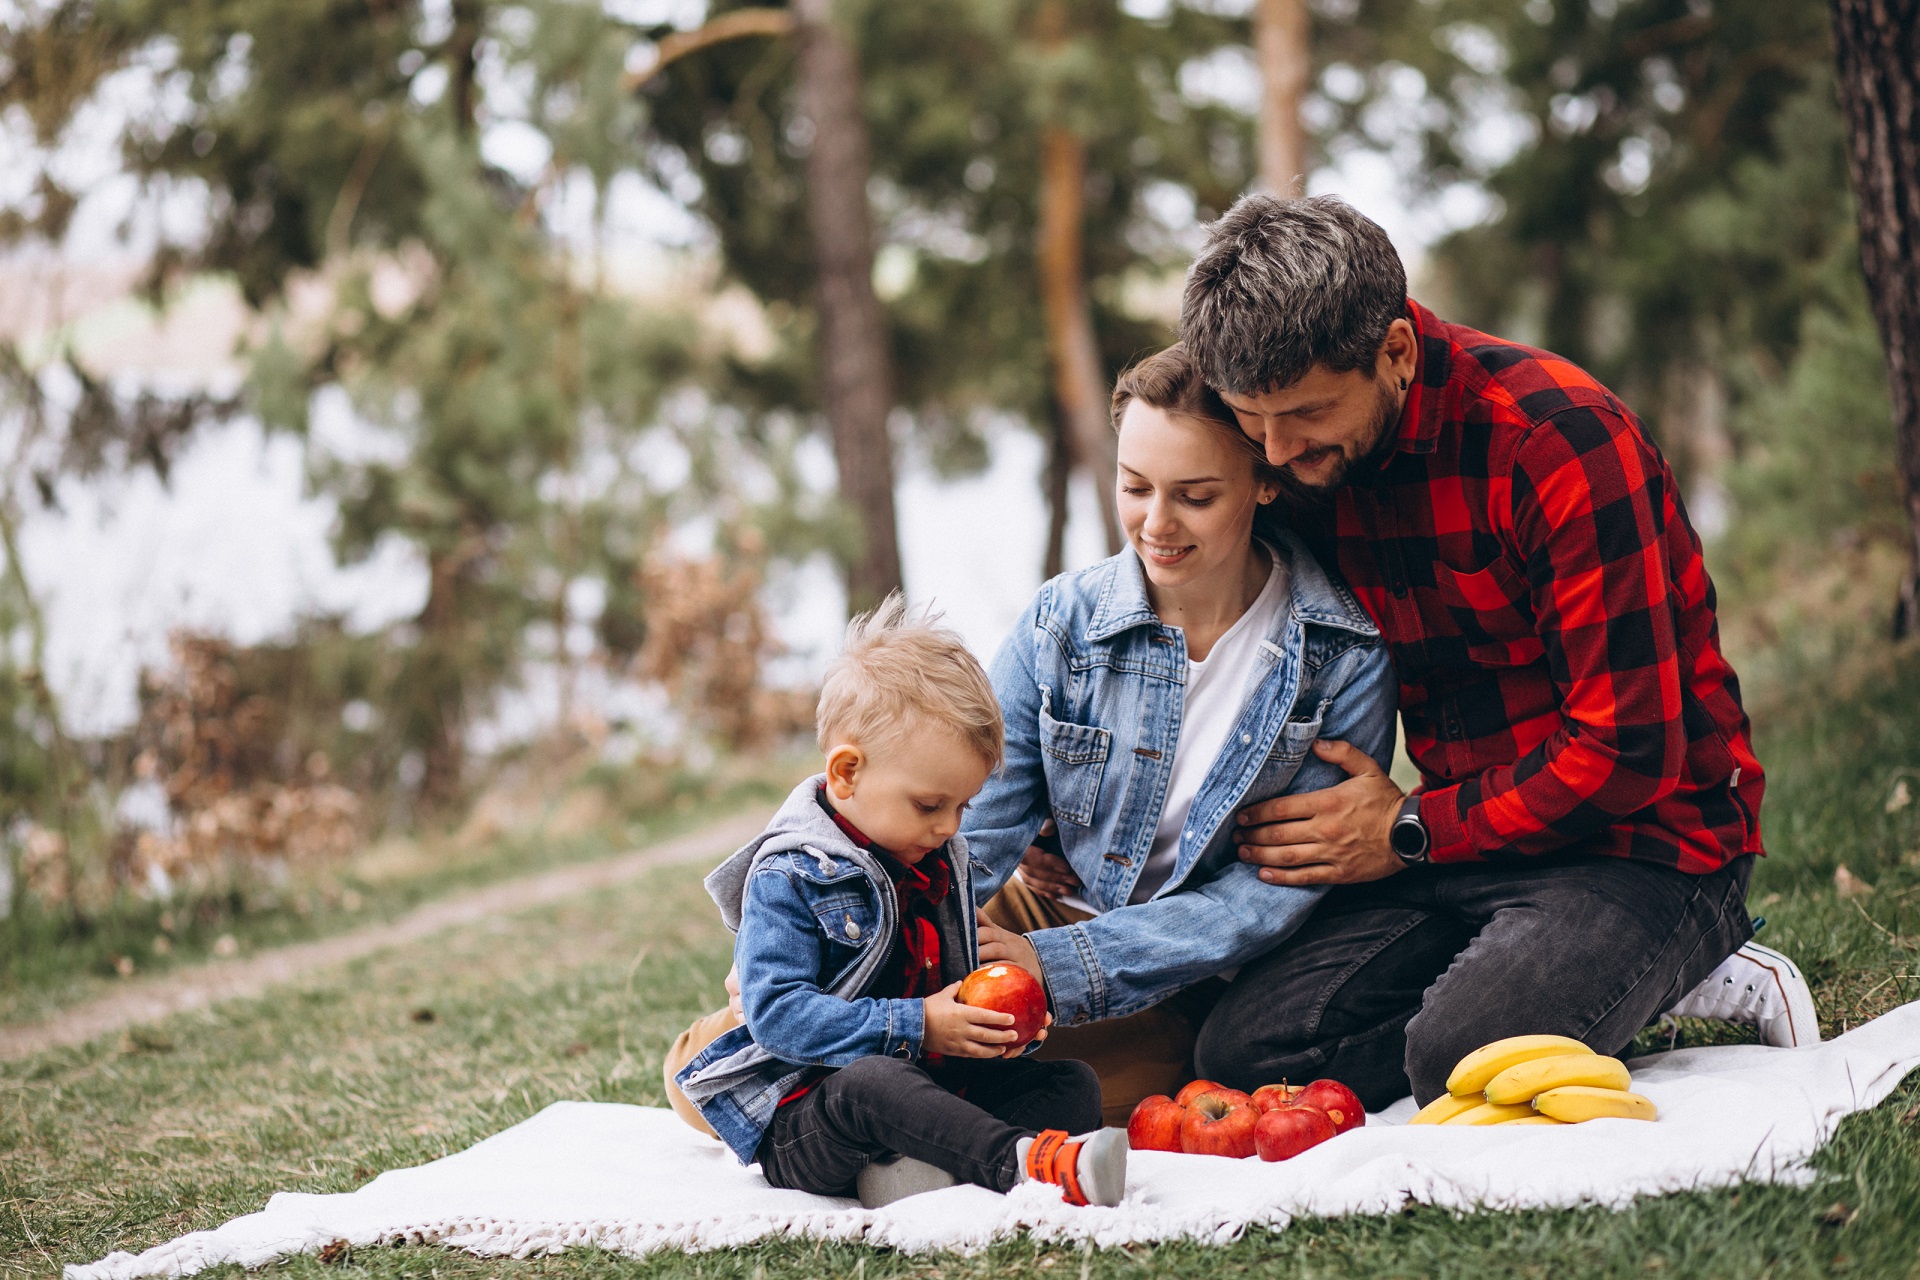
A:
[815,916]
[1091,683]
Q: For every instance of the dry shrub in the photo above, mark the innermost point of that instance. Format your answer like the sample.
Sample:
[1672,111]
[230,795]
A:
[46,866]
[708,641]
[237,782]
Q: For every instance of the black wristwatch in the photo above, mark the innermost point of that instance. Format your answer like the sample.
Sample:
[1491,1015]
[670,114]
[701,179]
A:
[1409,835]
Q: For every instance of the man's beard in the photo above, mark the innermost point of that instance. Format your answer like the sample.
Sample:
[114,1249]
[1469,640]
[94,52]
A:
[1380,442]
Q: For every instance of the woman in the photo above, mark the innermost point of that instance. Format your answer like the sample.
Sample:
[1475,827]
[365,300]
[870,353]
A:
[1147,699]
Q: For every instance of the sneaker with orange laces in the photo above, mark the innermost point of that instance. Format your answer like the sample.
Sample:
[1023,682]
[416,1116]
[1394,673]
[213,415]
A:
[1091,1169]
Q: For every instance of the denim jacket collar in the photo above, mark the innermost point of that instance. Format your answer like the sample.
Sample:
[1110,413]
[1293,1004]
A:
[1315,598]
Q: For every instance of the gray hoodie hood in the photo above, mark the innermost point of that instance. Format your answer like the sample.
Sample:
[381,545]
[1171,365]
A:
[801,825]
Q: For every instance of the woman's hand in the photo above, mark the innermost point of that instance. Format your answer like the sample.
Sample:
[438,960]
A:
[1008,947]
[733,994]
[1047,873]
[958,1030]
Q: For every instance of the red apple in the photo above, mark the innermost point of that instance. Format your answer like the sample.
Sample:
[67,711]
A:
[1285,1132]
[1189,1092]
[1155,1124]
[1219,1123]
[1340,1103]
[1007,988]
[1269,1096]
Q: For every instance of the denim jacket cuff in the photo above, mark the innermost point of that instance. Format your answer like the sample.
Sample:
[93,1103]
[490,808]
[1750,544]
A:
[906,1028]
[1074,986]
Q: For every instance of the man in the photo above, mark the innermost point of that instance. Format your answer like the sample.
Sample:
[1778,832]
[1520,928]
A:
[1576,857]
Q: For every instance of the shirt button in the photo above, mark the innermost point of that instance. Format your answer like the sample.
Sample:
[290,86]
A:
[1245,738]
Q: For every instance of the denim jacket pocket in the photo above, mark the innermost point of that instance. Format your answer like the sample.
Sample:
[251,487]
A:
[1296,736]
[846,920]
[1076,758]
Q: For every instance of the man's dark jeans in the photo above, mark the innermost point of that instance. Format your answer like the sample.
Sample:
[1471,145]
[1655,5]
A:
[881,1106]
[1389,984]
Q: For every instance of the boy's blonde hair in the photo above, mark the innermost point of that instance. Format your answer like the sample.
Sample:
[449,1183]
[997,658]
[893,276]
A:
[896,668]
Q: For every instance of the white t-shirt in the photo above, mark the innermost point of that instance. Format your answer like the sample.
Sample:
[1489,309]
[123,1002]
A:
[1216,694]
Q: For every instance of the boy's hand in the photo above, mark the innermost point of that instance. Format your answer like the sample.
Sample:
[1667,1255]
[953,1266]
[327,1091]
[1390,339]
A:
[958,1030]
[1008,947]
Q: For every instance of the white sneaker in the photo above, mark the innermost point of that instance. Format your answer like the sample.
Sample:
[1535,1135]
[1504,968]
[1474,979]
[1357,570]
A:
[1090,1168]
[1756,986]
[884,1181]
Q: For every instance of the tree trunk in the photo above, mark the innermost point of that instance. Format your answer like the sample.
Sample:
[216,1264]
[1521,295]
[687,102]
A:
[463,45]
[1282,37]
[856,366]
[1059,470]
[1079,381]
[439,695]
[1876,46]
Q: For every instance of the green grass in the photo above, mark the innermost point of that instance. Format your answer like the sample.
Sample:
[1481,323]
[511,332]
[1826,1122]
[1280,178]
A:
[128,1142]
[48,962]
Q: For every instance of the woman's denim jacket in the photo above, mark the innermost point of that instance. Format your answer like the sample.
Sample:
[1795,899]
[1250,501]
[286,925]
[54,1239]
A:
[1091,683]
[816,917]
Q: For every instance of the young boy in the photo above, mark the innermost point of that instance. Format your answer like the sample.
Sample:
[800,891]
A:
[854,911]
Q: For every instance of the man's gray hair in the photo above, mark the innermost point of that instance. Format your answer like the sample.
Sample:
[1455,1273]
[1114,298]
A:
[1283,285]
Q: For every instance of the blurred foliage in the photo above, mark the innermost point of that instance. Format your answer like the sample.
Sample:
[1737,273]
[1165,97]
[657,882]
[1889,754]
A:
[1670,209]
[957,93]
[518,402]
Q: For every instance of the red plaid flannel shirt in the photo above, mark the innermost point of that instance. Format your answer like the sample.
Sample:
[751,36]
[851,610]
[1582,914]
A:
[1525,553]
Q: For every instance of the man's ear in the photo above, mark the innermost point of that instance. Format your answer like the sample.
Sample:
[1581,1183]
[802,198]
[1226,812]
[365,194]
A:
[1399,352]
[844,764]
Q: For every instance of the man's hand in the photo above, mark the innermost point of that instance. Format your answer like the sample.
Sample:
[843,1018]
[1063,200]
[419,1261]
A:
[1339,835]
[962,1031]
[1006,945]
[733,995]
[1047,873]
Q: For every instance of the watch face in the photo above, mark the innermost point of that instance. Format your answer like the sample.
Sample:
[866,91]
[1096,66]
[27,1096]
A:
[1408,837]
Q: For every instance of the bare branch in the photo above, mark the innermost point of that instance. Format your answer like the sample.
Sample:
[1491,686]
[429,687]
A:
[736,25]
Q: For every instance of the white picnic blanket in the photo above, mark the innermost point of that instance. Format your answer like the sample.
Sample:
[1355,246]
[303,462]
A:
[636,1180]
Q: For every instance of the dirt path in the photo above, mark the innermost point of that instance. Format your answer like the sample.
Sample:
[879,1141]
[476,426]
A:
[148,999]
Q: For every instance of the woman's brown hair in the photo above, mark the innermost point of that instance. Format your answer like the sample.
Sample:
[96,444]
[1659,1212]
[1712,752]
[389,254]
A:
[1170,381]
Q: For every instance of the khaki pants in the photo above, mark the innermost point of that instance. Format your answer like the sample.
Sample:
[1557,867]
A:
[1135,1057]
[685,1046]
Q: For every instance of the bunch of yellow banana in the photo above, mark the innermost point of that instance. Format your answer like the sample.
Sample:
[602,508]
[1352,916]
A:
[1536,1080]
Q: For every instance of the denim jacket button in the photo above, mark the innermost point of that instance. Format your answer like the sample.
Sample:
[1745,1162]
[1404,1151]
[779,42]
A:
[853,930]
[1245,738]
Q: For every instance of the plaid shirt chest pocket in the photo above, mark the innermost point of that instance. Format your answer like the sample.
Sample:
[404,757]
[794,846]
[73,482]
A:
[1074,757]
[1492,610]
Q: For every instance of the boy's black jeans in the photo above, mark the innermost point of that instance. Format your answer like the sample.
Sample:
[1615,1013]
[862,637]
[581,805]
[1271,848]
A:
[1389,984]
[877,1107]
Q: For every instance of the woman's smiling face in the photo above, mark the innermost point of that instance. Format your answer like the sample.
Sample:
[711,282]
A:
[1187,495]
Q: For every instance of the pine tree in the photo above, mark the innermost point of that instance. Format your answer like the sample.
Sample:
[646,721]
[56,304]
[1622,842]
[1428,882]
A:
[970,106]
[340,145]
